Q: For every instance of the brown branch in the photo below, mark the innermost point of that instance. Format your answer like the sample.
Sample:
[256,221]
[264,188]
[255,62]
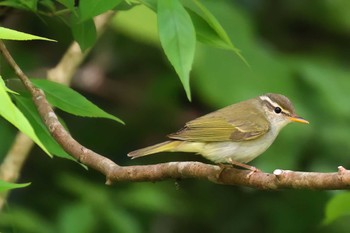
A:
[175,170]
[50,119]
[12,164]
[62,73]
[231,176]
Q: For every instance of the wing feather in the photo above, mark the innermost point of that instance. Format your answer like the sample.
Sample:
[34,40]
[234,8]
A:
[211,128]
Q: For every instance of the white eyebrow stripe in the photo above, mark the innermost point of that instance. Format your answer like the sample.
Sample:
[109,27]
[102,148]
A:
[266,98]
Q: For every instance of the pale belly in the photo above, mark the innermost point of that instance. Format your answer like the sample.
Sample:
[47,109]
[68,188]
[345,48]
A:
[222,152]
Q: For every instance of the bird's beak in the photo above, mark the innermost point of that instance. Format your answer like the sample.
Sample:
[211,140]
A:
[298,119]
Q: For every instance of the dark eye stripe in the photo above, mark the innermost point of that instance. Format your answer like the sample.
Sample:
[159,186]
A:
[272,108]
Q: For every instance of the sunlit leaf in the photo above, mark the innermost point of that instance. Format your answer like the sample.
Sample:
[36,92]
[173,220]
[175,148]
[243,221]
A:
[71,101]
[4,186]
[11,113]
[337,207]
[178,38]
[10,34]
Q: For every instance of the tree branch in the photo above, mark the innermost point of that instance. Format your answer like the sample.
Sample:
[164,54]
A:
[68,143]
[12,164]
[174,170]
[228,175]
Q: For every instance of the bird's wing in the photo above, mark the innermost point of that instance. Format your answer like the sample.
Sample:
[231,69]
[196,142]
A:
[217,129]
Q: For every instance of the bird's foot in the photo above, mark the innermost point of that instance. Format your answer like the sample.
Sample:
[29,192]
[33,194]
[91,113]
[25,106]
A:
[246,166]
[252,171]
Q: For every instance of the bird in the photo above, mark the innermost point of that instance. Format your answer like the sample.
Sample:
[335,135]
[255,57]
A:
[235,134]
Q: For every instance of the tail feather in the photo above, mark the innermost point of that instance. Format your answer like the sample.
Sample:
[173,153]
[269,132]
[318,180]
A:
[160,147]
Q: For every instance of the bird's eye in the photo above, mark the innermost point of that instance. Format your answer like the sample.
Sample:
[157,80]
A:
[278,110]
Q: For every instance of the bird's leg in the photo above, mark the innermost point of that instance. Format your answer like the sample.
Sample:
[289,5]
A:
[243,165]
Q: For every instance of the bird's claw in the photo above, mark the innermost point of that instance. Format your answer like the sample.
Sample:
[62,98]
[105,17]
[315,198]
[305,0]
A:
[252,171]
[246,166]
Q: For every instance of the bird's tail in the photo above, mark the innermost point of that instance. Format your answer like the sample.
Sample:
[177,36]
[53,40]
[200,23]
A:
[160,147]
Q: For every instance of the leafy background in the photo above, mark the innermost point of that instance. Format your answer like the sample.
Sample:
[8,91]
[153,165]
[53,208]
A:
[298,48]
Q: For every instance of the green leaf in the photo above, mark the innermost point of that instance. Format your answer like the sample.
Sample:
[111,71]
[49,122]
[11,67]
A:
[14,4]
[48,5]
[91,8]
[4,186]
[152,4]
[12,114]
[30,4]
[206,34]
[70,101]
[67,3]
[337,207]
[84,32]
[21,4]
[216,26]
[178,38]
[26,105]
[9,34]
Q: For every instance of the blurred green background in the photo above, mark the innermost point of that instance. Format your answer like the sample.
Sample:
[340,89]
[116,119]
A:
[297,48]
